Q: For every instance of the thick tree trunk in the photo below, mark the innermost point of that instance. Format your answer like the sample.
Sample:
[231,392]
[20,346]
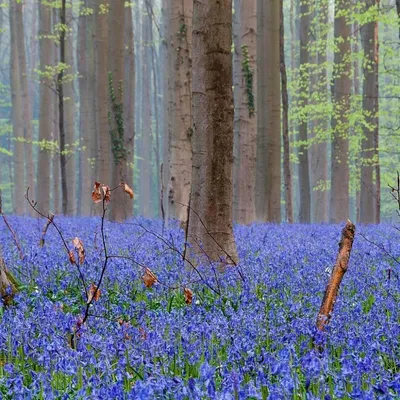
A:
[17,116]
[26,101]
[247,118]
[285,123]
[339,195]
[211,192]
[368,198]
[129,100]
[268,178]
[180,107]
[116,51]
[304,172]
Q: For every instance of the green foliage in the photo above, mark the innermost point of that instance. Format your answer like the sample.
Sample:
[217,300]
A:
[117,113]
[248,76]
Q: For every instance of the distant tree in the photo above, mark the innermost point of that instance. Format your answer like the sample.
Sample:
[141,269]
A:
[342,84]
[369,196]
[45,113]
[17,115]
[209,228]
[268,174]
[304,171]
[180,14]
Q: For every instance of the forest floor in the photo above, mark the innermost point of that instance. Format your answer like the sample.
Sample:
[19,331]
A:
[234,339]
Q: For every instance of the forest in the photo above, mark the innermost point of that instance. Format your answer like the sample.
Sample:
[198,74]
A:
[199,199]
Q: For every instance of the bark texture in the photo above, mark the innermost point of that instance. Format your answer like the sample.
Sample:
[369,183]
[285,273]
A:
[246,119]
[368,198]
[17,117]
[116,51]
[45,113]
[211,193]
[339,195]
[287,174]
[180,107]
[268,174]
[338,272]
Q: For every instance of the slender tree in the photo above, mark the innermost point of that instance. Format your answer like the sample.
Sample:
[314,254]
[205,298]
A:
[179,106]
[116,51]
[26,99]
[285,123]
[339,195]
[45,113]
[17,116]
[368,199]
[268,174]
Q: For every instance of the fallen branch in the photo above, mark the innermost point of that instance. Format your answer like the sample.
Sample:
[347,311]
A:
[338,272]
[8,285]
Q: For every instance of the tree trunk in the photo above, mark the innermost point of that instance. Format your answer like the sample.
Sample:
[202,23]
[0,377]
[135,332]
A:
[268,178]
[211,192]
[129,100]
[285,123]
[180,107]
[27,103]
[247,118]
[102,94]
[17,116]
[368,198]
[69,116]
[85,114]
[304,172]
[116,51]
[55,160]
[319,149]
[339,195]
[146,131]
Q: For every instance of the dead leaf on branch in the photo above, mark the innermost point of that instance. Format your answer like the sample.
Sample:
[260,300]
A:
[94,293]
[128,190]
[149,278]
[80,249]
[107,193]
[188,295]
[96,193]
[71,257]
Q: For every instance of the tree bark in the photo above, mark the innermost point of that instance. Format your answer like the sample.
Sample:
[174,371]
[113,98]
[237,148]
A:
[180,107]
[285,123]
[209,229]
[339,195]
[368,199]
[129,100]
[268,174]
[26,100]
[338,272]
[304,172]
[247,117]
[17,116]
[116,51]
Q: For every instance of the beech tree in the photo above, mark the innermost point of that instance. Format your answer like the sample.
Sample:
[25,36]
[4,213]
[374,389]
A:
[209,228]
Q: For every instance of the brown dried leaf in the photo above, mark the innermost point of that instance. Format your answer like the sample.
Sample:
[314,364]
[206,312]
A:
[149,278]
[71,257]
[107,193]
[79,247]
[96,194]
[188,295]
[93,293]
[128,190]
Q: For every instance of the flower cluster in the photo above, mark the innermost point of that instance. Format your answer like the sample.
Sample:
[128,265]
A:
[254,341]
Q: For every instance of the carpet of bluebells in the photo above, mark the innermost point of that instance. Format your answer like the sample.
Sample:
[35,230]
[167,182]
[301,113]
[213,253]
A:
[254,341]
